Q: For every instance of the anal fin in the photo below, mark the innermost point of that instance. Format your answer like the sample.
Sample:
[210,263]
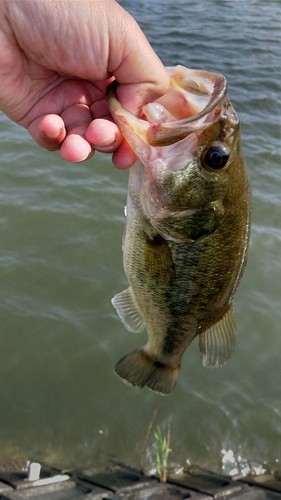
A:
[217,343]
[128,312]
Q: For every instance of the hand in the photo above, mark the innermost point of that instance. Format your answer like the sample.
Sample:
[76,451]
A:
[56,60]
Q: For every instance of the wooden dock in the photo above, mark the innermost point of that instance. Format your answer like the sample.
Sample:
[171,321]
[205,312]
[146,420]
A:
[124,483]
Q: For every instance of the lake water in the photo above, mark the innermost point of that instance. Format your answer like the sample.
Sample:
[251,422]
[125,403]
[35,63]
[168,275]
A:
[61,262]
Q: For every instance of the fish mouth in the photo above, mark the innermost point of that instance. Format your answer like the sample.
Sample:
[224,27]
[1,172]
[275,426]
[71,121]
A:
[194,101]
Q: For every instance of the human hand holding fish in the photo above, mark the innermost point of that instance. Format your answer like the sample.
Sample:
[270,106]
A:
[188,209]
[56,60]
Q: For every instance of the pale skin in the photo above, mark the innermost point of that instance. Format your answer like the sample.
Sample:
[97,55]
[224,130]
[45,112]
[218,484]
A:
[56,60]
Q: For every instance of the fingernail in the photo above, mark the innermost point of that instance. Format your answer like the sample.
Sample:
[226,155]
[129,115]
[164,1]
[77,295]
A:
[108,141]
[53,134]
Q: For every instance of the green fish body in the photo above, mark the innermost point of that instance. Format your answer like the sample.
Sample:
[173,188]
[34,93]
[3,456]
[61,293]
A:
[187,233]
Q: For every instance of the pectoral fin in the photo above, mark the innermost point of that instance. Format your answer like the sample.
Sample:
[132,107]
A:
[217,343]
[157,259]
[128,311]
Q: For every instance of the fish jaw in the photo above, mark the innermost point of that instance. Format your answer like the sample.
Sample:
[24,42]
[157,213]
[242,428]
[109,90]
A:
[191,103]
[198,96]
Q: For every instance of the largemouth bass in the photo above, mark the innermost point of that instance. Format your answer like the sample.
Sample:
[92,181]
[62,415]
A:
[186,239]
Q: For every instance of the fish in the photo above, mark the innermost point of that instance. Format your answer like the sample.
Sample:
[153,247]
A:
[186,239]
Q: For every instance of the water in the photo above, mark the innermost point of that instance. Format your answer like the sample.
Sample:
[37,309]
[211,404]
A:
[61,262]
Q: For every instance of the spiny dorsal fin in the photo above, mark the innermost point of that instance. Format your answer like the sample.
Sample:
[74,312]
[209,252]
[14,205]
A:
[217,344]
[129,313]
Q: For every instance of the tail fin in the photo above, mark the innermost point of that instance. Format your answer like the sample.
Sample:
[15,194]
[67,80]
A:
[139,369]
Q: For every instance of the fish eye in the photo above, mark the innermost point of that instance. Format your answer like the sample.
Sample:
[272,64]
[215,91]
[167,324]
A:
[215,157]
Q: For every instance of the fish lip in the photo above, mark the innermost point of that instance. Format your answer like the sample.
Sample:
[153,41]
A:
[170,132]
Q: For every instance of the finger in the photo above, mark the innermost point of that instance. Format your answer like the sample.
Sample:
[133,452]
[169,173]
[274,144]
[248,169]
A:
[104,135]
[124,157]
[48,131]
[137,68]
[75,147]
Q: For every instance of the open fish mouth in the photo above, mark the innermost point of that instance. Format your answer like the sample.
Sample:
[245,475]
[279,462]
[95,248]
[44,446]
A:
[194,101]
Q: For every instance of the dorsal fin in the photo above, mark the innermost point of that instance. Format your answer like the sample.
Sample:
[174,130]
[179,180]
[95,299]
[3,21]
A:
[129,314]
[217,343]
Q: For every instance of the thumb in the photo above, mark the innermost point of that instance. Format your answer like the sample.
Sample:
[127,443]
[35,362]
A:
[133,62]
